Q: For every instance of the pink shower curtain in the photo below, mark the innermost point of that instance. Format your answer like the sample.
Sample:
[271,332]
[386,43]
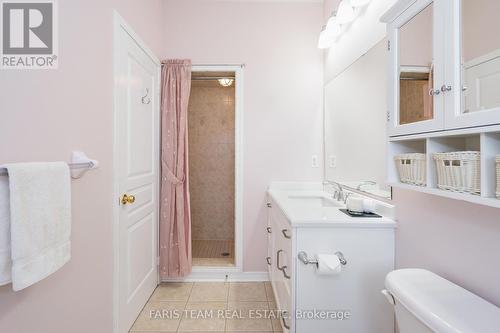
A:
[175,216]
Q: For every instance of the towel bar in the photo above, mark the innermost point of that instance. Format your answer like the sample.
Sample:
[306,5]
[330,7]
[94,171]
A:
[83,164]
[72,166]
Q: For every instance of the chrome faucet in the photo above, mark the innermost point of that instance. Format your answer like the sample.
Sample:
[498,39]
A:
[366,182]
[339,194]
[346,196]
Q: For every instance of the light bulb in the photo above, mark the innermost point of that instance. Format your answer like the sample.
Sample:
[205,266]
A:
[227,82]
[333,28]
[325,40]
[345,13]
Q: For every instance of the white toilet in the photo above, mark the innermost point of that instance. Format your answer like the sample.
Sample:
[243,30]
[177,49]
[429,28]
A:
[425,302]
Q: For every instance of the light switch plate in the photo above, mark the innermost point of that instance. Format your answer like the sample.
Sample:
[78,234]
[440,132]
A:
[332,161]
[314,161]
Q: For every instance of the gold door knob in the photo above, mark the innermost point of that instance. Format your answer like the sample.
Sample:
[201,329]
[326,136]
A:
[127,199]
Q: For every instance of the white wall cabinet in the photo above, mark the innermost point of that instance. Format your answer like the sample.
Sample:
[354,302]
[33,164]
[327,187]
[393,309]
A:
[443,88]
[444,65]
[299,290]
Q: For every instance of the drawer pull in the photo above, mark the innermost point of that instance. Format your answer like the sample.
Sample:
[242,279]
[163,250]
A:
[268,259]
[278,259]
[284,232]
[285,325]
[283,269]
[269,230]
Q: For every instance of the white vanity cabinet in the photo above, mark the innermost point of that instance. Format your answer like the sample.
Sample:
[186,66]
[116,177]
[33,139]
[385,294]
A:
[279,262]
[301,293]
[444,65]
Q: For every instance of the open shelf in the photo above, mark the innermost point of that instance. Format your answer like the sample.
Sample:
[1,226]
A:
[445,144]
[492,202]
[403,147]
[487,143]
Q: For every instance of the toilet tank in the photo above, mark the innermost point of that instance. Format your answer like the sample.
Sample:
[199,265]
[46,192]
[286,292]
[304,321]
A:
[425,302]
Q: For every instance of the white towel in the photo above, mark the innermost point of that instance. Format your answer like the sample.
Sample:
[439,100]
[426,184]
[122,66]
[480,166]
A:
[5,262]
[40,220]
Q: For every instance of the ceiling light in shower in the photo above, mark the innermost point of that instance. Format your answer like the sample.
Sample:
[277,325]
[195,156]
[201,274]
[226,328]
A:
[226,82]
[345,12]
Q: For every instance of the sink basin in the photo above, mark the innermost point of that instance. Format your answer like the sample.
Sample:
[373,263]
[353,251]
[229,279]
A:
[313,201]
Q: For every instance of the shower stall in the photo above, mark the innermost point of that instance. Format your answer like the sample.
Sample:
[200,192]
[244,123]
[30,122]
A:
[212,177]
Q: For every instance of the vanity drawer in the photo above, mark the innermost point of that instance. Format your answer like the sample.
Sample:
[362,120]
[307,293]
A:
[283,304]
[282,258]
[286,312]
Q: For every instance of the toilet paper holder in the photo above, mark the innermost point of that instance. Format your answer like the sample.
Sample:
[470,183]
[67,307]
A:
[306,261]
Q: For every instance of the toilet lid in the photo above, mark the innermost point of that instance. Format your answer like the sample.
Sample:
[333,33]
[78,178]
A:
[442,305]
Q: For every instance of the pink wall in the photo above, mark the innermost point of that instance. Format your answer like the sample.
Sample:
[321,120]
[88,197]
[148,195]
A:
[455,239]
[282,90]
[44,115]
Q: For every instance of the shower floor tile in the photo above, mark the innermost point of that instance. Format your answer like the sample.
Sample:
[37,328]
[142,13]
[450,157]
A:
[213,252]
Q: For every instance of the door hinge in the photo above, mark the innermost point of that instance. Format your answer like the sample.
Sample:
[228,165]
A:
[158,261]
[388,45]
[388,116]
[269,205]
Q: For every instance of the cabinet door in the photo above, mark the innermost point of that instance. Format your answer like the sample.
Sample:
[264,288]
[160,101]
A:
[472,88]
[416,69]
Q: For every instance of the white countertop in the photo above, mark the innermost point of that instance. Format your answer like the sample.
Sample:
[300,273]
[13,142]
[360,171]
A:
[307,205]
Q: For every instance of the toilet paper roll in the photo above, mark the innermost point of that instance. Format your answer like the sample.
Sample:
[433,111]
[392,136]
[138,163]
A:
[329,264]
[369,206]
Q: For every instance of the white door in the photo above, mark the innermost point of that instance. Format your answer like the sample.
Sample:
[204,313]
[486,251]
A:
[136,165]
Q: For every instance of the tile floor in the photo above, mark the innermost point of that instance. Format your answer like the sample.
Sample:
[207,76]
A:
[197,307]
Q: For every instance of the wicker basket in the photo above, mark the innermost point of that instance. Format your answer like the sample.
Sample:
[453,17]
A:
[459,171]
[498,176]
[411,168]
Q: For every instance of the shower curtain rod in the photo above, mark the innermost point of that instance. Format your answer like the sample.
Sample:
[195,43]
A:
[210,78]
[215,65]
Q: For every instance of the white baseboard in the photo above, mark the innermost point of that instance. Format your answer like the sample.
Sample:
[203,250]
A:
[219,275]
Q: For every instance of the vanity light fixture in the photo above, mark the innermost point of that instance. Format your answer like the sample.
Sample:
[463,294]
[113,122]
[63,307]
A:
[345,12]
[226,82]
[359,3]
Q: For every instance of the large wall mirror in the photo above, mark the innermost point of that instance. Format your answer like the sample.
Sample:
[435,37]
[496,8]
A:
[355,125]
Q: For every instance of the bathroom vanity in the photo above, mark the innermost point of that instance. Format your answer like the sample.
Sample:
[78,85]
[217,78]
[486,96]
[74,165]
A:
[304,218]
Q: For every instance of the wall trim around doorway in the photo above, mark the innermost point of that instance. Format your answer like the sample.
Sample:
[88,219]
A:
[217,273]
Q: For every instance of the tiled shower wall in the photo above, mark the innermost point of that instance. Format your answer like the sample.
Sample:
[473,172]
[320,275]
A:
[211,160]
